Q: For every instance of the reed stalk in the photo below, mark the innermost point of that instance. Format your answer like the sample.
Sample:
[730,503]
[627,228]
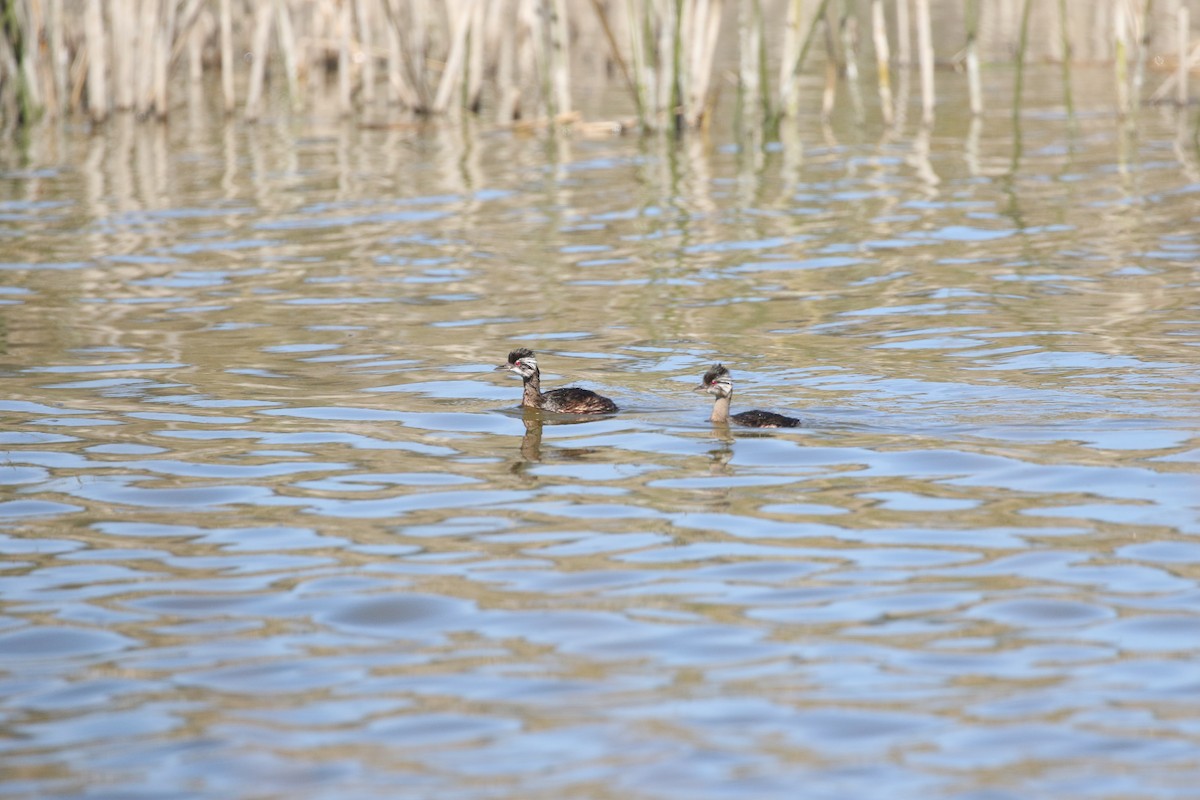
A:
[455,61]
[287,48]
[665,60]
[16,104]
[143,55]
[194,47]
[225,24]
[507,92]
[97,49]
[122,14]
[440,56]
[850,42]
[792,70]
[903,34]
[364,13]
[925,57]
[264,18]
[636,14]
[403,81]
[789,86]
[1121,63]
[848,28]
[560,57]
[1145,31]
[527,51]
[1022,46]
[345,60]
[1064,32]
[681,16]
[706,25]
[611,38]
[749,45]
[1183,30]
[58,57]
[163,35]
[473,80]
[974,84]
[829,90]
[882,59]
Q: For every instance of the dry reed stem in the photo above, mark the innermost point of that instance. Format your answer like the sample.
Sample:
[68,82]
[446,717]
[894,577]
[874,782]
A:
[1181,72]
[1064,33]
[58,56]
[560,56]
[749,42]
[527,50]
[637,56]
[122,13]
[708,28]
[903,34]
[97,75]
[287,48]
[400,55]
[161,45]
[476,56]
[974,84]
[882,59]
[30,66]
[226,28]
[445,55]
[793,69]
[925,58]
[789,86]
[345,25]
[264,17]
[364,12]
[507,92]
[1121,64]
[1022,46]
[829,90]
[143,55]
[1145,31]
[456,59]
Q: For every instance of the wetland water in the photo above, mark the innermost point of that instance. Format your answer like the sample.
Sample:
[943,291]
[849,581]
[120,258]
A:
[270,525]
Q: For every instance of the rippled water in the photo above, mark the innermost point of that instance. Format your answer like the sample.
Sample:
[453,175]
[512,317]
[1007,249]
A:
[271,524]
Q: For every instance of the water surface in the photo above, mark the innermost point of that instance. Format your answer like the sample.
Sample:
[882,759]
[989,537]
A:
[271,524]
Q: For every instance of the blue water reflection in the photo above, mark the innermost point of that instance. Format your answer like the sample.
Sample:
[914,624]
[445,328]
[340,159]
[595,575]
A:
[270,524]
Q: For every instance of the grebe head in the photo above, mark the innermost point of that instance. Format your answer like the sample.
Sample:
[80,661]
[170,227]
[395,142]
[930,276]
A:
[522,362]
[716,382]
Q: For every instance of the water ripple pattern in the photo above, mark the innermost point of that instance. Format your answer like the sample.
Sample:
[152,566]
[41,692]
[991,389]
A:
[270,524]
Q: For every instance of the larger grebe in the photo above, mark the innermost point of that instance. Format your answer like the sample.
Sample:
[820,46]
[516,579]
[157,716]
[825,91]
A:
[571,400]
[718,383]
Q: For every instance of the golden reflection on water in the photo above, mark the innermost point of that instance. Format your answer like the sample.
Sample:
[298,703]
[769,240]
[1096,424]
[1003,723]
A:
[270,520]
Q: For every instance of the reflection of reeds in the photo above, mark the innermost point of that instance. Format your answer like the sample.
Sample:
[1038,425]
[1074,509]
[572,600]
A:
[529,59]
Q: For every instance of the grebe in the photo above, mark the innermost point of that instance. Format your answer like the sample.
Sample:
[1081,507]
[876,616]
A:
[718,383]
[571,400]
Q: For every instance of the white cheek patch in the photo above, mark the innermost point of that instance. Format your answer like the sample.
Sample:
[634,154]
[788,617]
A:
[527,363]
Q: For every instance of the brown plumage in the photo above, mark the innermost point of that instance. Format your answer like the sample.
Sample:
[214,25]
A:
[719,384]
[570,400]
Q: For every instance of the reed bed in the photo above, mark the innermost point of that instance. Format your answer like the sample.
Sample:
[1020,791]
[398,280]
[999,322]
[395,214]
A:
[528,62]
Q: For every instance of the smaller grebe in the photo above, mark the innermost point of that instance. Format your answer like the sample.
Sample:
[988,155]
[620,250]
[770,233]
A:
[571,400]
[718,383]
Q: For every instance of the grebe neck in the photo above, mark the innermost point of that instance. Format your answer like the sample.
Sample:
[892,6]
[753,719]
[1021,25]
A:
[533,391]
[720,412]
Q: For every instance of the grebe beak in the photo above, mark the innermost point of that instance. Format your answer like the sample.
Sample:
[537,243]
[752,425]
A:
[700,388]
[504,367]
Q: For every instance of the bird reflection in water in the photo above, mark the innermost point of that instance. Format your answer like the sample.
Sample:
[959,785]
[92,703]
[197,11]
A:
[720,456]
[531,442]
